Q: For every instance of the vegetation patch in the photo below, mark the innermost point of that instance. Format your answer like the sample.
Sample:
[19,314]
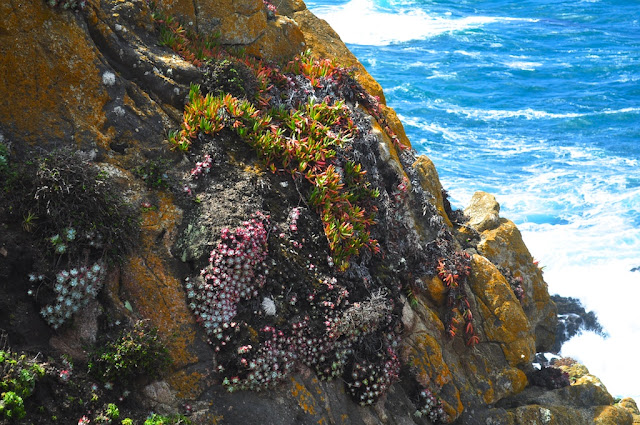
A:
[75,214]
[303,120]
[138,352]
[18,377]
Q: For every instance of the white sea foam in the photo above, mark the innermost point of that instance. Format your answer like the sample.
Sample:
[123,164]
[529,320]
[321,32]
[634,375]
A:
[378,27]
[531,114]
[590,257]
[611,291]
[443,75]
[523,65]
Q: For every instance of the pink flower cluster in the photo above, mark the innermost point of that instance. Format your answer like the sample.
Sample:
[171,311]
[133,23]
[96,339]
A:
[270,7]
[236,270]
[202,167]
[294,215]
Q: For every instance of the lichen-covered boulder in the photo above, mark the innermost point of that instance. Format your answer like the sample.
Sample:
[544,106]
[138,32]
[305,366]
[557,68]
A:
[240,23]
[483,212]
[516,263]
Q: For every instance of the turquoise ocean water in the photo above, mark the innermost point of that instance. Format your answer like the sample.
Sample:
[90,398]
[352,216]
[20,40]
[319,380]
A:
[538,103]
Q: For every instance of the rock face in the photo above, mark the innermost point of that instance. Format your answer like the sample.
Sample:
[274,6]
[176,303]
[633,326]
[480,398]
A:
[465,306]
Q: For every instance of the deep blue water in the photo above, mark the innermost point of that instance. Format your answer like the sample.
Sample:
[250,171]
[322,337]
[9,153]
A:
[538,103]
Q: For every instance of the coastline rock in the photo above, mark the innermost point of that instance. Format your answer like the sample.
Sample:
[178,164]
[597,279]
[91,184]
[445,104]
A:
[493,244]
[100,82]
[483,212]
[572,318]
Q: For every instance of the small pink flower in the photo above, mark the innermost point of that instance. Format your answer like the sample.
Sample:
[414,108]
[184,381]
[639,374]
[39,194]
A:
[84,421]
[65,375]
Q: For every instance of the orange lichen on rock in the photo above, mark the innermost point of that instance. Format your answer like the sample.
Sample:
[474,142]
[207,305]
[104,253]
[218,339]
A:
[612,415]
[303,396]
[504,321]
[240,23]
[151,286]
[187,385]
[423,354]
[435,290]
[281,40]
[425,357]
[53,79]
[504,247]
[395,124]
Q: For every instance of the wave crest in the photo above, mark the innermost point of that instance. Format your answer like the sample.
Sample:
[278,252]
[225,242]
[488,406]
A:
[377,27]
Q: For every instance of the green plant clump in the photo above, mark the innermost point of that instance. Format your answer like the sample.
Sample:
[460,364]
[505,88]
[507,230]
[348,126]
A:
[68,191]
[156,419]
[136,353]
[108,415]
[4,159]
[11,406]
[154,174]
[18,380]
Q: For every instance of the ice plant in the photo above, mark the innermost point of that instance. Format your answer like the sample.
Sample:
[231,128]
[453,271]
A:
[453,273]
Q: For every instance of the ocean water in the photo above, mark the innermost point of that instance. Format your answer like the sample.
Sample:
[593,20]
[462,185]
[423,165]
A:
[538,103]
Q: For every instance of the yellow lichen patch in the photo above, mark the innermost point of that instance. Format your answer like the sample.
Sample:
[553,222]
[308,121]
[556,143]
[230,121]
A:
[425,357]
[281,41]
[429,316]
[435,289]
[53,81]
[187,385]
[242,29]
[489,396]
[303,396]
[184,9]
[395,124]
[156,295]
[388,150]
[504,321]
[612,415]
[453,408]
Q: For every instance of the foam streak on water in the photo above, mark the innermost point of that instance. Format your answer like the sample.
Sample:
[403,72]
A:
[537,102]
[375,26]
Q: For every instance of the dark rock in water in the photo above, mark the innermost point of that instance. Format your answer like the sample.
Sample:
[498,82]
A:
[636,269]
[572,319]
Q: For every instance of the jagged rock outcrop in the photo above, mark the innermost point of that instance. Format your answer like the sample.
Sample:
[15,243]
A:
[97,80]
[572,319]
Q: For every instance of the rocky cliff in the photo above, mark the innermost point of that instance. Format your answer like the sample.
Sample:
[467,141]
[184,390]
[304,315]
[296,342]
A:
[226,172]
